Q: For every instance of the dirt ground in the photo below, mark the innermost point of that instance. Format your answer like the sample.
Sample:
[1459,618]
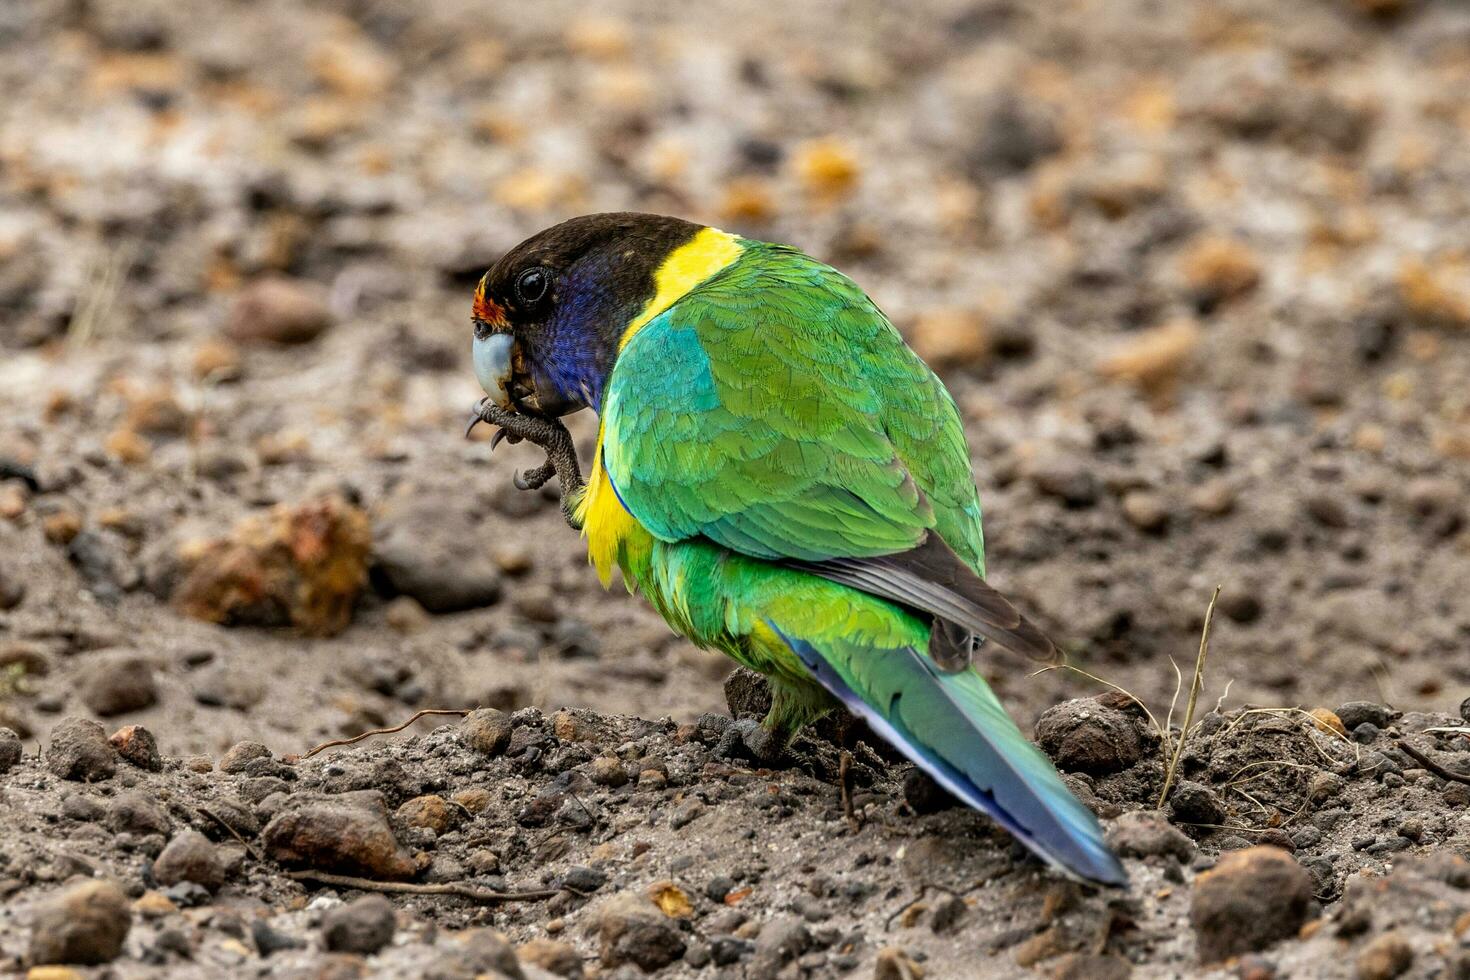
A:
[1195,272]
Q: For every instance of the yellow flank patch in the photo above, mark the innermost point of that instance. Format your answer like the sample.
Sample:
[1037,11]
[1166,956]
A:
[609,528]
[686,267]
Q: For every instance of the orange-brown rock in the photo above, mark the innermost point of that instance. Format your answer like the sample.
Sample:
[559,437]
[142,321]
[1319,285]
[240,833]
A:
[302,566]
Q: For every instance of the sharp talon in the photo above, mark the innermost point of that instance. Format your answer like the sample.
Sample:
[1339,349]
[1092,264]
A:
[520,482]
[477,415]
[496,439]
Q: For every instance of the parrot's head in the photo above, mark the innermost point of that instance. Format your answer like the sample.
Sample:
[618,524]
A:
[550,313]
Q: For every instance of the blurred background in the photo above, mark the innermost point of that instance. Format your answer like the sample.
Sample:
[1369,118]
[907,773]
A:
[1196,273]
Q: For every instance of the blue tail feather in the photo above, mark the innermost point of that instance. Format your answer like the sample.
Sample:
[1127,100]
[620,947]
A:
[952,727]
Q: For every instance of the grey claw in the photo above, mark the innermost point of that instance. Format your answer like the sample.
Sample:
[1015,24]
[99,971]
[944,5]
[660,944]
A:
[476,417]
[498,438]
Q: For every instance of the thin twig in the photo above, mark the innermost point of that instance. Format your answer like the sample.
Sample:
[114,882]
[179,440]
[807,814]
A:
[1173,702]
[1224,826]
[425,712]
[1264,808]
[1194,688]
[1432,766]
[485,895]
[249,847]
[844,767]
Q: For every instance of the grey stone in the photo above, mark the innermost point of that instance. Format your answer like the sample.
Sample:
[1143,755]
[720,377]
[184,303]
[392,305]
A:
[363,926]
[79,750]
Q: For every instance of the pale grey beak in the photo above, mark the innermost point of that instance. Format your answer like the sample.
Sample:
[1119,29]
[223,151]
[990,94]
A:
[492,366]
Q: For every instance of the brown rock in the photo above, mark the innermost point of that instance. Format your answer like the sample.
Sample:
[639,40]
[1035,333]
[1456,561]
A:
[303,566]
[190,857]
[119,684]
[157,413]
[1328,721]
[126,446]
[277,310]
[241,754]
[553,956]
[85,924]
[137,745]
[1145,510]
[576,725]
[1146,833]
[61,526]
[1214,498]
[1386,957]
[433,812]
[1250,900]
[338,836]
[631,929]
[1435,292]
[474,799]
[11,750]
[154,905]
[1154,359]
[827,169]
[1085,735]
[1215,269]
[607,770]
[486,730]
[79,750]
[216,360]
[12,592]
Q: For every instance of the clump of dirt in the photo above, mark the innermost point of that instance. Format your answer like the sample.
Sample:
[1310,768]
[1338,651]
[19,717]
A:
[581,843]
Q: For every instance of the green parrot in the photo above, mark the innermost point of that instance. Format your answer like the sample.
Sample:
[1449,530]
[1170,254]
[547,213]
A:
[784,480]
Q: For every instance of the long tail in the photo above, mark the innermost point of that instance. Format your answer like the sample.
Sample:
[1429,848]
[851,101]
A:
[952,726]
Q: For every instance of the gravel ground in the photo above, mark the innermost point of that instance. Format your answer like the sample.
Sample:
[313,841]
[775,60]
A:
[1195,273]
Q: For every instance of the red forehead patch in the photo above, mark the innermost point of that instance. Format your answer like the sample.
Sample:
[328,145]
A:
[487,310]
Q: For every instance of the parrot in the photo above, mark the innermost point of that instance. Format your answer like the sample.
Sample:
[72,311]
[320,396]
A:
[785,481]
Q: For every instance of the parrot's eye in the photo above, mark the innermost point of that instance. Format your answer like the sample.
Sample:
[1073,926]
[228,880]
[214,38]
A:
[532,286]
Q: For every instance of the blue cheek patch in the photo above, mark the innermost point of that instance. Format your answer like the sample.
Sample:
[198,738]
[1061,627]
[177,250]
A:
[582,335]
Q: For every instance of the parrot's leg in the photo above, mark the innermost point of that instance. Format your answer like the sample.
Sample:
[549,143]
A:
[550,435]
[793,707]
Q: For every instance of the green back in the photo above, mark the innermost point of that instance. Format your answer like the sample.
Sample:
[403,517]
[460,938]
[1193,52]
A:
[776,411]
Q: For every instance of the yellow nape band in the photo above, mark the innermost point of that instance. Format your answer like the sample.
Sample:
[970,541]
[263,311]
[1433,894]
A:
[686,267]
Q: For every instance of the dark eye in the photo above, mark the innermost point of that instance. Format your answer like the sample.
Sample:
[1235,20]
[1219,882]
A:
[532,286]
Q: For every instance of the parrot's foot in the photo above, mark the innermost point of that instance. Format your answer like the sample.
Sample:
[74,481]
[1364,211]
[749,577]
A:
[550,435]
[747,738]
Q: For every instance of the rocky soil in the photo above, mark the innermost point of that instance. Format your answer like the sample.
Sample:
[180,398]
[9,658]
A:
[1195,273]
[578,844]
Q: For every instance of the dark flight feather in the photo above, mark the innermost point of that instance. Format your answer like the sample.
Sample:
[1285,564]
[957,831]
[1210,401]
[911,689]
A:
[931,578]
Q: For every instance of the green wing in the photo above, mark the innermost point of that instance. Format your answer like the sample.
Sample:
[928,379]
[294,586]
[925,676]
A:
[776,411]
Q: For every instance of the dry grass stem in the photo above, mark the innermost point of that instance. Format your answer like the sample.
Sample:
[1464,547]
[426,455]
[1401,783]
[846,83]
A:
[1194,689]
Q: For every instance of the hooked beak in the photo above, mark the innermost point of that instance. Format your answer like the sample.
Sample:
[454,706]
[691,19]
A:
[492,358]
[495,359]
